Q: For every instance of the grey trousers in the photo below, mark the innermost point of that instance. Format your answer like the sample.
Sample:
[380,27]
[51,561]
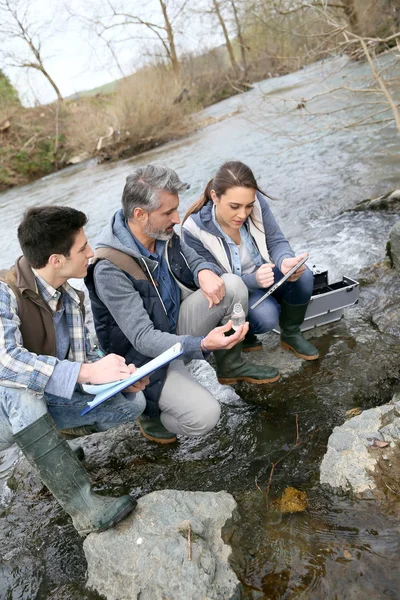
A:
[187,408]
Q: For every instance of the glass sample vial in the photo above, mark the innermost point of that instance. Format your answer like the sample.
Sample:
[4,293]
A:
[238,317]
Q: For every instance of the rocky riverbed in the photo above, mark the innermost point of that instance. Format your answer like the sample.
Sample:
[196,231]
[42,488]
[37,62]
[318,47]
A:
[42,557]
[364,453]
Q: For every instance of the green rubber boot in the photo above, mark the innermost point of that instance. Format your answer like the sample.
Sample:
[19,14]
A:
[153,430]
[231,368]
[290,319]
[75,432]
[61,471]
[251,343]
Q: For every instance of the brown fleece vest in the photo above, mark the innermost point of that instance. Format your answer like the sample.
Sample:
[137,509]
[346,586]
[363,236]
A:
[37,327]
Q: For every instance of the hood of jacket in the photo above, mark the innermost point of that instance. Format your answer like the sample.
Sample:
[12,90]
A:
[116,235]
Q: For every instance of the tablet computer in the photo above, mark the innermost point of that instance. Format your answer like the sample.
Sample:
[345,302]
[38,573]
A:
[279,283]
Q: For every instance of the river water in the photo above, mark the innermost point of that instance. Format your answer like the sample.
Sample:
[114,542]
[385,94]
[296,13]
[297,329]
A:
[338,549]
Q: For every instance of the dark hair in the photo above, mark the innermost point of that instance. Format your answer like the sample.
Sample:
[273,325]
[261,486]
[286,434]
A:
[47,230]
[231,174]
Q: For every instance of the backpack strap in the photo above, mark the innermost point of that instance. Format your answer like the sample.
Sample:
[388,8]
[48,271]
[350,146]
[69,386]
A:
[121,260]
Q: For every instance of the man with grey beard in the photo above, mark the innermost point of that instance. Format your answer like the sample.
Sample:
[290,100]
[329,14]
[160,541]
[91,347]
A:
[149,290]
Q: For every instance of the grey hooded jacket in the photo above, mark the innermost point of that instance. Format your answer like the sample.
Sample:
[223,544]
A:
[116,290]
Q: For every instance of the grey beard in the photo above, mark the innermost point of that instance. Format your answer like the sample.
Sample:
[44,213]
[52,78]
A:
[157,234]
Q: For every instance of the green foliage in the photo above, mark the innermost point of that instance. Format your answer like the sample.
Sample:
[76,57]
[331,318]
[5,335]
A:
[8,94]
[36,162]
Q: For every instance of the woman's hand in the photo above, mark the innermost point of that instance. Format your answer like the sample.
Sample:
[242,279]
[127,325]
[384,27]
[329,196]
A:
[289,263]
[265,275]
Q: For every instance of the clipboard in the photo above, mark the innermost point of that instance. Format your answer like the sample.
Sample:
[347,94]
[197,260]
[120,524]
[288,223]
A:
[105,391]
[279,283]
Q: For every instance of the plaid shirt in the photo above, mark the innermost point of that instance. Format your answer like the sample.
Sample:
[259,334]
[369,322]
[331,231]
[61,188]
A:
[23,369]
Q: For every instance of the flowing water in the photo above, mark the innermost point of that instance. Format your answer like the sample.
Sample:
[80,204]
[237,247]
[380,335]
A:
[339,548]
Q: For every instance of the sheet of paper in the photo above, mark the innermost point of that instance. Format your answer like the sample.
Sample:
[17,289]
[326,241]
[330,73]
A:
[115,387]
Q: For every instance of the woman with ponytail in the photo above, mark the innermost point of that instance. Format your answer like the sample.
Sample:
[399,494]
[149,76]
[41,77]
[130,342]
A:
[233,226]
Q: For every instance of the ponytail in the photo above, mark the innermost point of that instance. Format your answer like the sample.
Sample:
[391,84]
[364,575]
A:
[198,205]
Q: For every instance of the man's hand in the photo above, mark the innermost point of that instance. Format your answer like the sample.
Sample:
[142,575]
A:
[265,275]
[139,385]
[288,263]
[212,286]
[217,340]
[107,369]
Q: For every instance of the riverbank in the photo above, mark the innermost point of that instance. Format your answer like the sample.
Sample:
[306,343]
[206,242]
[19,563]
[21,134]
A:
[146,110]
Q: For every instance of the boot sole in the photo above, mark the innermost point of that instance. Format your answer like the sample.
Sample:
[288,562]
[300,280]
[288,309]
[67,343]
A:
[154,439]
[252,349]
[118,517]
[287,347]
[232,380]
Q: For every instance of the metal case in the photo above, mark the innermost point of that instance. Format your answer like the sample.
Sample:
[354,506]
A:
[329,300]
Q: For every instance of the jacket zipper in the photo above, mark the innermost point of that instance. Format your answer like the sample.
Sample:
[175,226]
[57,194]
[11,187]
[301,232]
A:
[155,287]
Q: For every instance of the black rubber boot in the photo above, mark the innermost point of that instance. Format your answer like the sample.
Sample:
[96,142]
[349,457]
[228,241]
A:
[61,471]
[290,319]
[231,368]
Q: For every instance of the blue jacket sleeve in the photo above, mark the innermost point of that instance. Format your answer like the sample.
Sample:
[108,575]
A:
[277,245]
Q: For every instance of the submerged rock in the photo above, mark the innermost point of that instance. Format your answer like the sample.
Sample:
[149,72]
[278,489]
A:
[293,500]
[395,245]
[389,201]
[149,555]
[380,297]
[353,453]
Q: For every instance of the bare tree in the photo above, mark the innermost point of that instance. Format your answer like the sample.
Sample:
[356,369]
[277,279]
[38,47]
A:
[218,12]
[160,24]
[239,32]
[350,11]
[370,100]
[22,33]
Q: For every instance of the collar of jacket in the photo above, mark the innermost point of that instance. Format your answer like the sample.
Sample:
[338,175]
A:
[26,282]
[25,278]
[204,219]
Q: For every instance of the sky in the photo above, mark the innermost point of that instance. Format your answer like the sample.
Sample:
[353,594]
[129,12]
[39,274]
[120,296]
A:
[77,60]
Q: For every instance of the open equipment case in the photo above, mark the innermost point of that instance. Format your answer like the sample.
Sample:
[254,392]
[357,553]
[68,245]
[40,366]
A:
[328,300]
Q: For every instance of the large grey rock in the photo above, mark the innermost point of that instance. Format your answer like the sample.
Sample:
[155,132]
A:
[395,245]
[349,463]
[204,373]
[146,556]
[389,201]
[379,296]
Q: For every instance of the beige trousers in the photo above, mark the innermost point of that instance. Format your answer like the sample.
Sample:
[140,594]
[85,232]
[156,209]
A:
[187,408]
